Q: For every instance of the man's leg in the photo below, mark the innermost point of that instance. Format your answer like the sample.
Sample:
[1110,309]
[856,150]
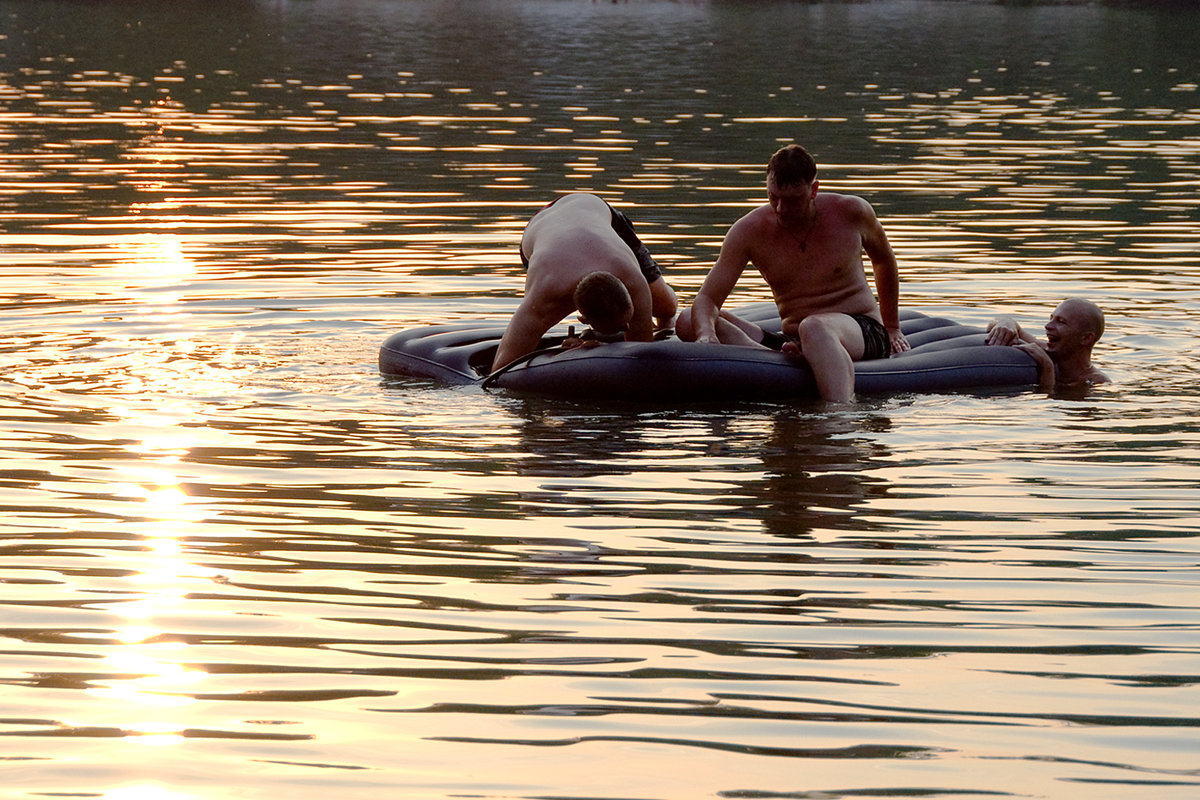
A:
[731,329]
[831,343]
[663,303]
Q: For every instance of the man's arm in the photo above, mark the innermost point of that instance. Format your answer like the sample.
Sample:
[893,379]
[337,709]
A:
[524,332]
[1005,330]
[1047,377]
[641,326]
[706,308]
[887,276]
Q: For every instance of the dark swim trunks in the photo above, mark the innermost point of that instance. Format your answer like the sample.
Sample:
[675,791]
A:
[624,229]
[876,342]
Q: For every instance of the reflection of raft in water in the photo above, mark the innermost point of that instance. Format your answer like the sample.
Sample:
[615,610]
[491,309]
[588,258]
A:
[944,356]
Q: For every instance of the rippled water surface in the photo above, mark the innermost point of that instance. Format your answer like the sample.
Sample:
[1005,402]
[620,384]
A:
[236,562]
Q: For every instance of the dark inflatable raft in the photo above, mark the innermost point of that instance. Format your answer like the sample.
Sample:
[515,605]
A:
[945,356]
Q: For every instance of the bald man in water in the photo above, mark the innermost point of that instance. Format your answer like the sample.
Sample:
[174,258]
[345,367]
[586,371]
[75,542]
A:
[573,237]
[1065,358]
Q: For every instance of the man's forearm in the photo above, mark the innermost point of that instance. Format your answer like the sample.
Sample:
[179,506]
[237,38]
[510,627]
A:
[887,285]
[704,318]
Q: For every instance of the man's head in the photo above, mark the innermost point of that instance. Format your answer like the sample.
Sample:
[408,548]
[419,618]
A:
[791,165]
[1075,326]
[792,185]
[603,303]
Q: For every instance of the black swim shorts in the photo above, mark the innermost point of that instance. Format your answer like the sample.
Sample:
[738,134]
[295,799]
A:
[876,342]
[624,229]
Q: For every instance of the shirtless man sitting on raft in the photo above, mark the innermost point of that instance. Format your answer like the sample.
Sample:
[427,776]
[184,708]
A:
[573,238]
[1065,359]
[808,247]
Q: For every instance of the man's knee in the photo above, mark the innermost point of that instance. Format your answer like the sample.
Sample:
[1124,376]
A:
[683,326]
[820,332]
[816,329]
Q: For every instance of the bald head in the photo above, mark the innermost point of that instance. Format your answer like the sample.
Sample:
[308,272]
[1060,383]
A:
[1085,314]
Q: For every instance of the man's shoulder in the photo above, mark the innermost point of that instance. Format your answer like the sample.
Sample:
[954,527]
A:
[757,215]
[849,205]
[754,223]
[1092,377]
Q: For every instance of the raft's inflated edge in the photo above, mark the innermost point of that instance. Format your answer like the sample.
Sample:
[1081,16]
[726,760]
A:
[439,352]
[946,356]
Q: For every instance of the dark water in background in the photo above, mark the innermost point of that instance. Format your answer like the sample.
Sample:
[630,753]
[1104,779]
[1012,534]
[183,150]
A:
[236,562]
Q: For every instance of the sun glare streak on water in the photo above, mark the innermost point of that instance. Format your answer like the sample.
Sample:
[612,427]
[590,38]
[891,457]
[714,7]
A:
[237,561]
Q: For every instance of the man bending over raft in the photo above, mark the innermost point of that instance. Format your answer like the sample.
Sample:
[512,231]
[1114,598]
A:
[808,247]
[572,237]
[1065,359]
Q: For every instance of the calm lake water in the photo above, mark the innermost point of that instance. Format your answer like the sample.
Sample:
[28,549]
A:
[236,562]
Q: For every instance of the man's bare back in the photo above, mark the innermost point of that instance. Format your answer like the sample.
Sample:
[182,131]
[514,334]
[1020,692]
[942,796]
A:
[564,242]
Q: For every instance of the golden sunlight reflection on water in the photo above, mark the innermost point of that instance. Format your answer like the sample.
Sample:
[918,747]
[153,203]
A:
[156,588]
[145,791]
